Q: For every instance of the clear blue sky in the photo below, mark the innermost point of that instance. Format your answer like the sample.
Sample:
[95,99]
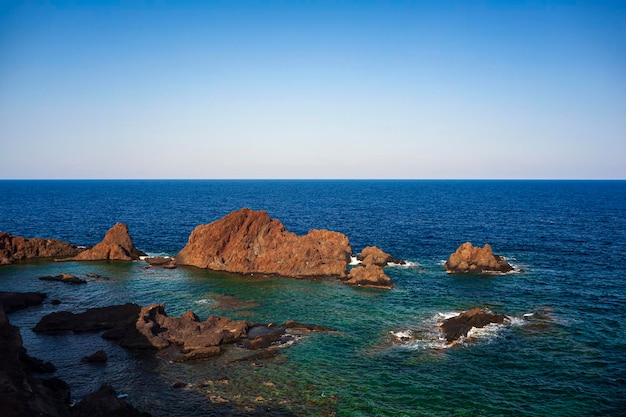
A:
[313,89]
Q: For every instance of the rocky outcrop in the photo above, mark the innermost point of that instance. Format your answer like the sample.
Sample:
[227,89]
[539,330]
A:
[477,260]
[248,241]
[459,326]
[369,276]
[371,255]
[149,327]
[105,403]
[162,262]
[116,245]
[15,248]
[14,301]
[21,394]
[96,357]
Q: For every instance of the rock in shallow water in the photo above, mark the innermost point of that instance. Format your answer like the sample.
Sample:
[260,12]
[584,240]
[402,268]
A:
[459,326]
[477,260]
[15,248]
[116,245]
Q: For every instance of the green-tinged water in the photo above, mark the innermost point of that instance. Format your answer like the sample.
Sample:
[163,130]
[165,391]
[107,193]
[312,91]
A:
[562,354]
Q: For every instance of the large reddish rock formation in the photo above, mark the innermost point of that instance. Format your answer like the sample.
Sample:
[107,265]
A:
[15,248]
[468,258]
[116,245]
[459,326]
[248,241]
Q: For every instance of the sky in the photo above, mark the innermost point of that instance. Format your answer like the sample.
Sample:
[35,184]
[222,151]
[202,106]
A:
[313,89]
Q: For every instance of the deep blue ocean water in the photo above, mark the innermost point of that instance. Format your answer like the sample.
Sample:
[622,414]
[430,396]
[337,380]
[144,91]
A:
[563,354]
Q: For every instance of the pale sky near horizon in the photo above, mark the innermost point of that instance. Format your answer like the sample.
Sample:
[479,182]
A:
[313,89]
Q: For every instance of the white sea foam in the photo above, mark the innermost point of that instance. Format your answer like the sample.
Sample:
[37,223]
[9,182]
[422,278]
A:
[354,261]
[402,335]
[404,264]
[204,301]
[529,314]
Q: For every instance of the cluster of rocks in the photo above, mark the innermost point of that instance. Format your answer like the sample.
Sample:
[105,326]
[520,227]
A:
[149,327]
[250,242]
[24,394]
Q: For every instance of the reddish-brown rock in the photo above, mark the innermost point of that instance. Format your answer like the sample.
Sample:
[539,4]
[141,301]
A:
[368,276]
[371,255]
[248,241]
[15,248]
[459,326]
[116,245]
[468,258]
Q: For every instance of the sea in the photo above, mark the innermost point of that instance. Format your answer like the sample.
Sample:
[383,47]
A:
[562,352]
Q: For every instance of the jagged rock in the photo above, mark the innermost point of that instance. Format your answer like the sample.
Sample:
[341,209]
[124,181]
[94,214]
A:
[468,258]
[15,248]
[369,276]
[65,278]
[371,255]
[105,403]
[14,301]
[459,326]
[97,357]
[92,320]
[248,241]
[116,245]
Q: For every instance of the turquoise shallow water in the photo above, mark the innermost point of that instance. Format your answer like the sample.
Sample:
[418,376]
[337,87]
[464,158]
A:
[563,354]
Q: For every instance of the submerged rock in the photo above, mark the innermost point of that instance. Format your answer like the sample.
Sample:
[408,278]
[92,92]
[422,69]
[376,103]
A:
[15,248]
[65,278]
[116,245]
[459,326]
[471,259]
[248,241]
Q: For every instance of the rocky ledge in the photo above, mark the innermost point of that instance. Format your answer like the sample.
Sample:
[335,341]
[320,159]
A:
[476,260]
[248,241]
[149,327]
[116,245]
[459,326]
[14,301]
[15,248]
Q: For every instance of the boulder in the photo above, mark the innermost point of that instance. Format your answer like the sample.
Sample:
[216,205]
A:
[459,326]
[162,262]
[477,260]
[14,301]
[65,278]
[248,241]
[371,255]
[105,403]
[92,320]
[369,275]
[15,248]
[116,245]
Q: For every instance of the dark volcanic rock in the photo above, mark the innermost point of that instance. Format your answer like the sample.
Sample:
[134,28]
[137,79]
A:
[458,326]
[14,301]
[369,276]
[22,395]
[65,278]
[116,245]
[248,241]
[15,248]
[97,357]
[105,403]
[468,258]
[92,320]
